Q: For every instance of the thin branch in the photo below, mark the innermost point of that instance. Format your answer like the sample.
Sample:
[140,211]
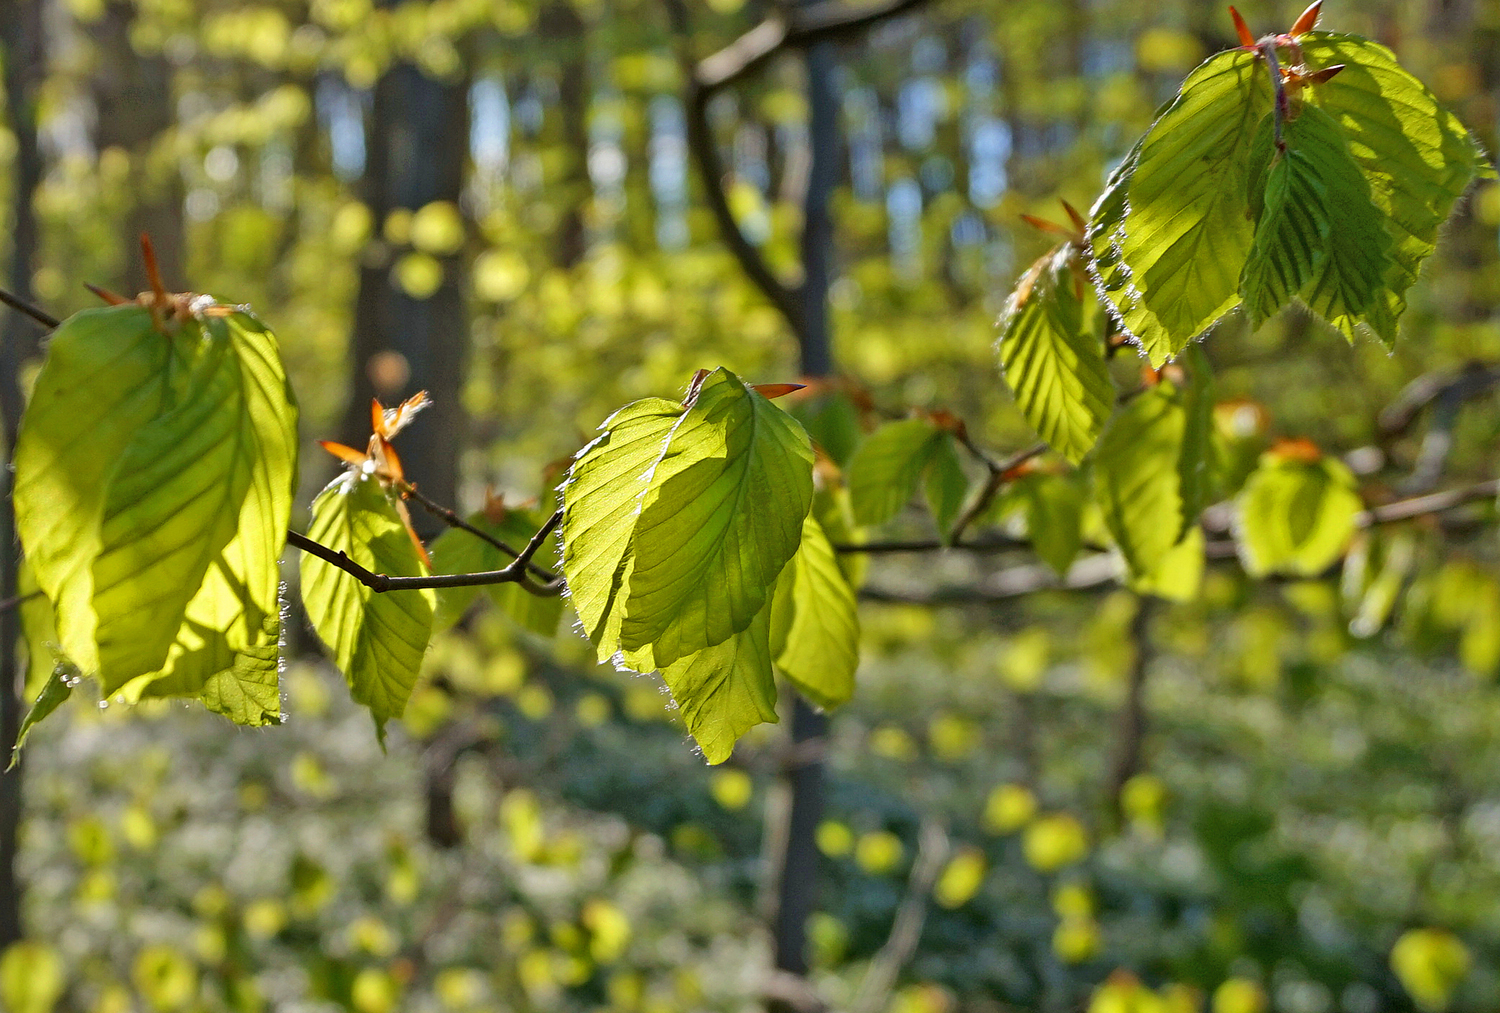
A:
[453,520]
[796,28]
[999,474]
[514,573]
[20,305]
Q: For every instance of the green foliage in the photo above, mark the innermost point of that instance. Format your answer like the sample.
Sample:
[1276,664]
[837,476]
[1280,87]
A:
[377,640]
[1051,357]
[457,551]
[1295,515]
[1208,212]
[1054,504]
[815,621]
[155,469]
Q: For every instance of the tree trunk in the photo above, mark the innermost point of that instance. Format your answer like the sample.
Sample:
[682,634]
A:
[794,871]
[133,95]
[417,143]
[24,55]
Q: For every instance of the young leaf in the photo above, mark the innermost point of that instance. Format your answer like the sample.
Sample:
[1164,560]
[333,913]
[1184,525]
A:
[1295,516]
[725,690]
[1178,574]
[815,622]
[946,484]
[1137,477]
[1185,230]
[1318,233]
[601,502]
[884,471]
[1052,360]
[168,575]
[55,692]
[1195,471]
[377,640]
[1416,156]
[721,515]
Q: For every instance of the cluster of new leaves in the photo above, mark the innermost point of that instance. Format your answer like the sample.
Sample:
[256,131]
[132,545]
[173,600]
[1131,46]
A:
[1305,167]
[155,470]
[690,547]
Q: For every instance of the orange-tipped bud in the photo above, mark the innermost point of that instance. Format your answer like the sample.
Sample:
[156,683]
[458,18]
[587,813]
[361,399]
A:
[346,454]
[1299,449]
[110,299]
[775,390]
[1077,219]
[1042,225]
[1308,19]
[1243,30]
[1323,76]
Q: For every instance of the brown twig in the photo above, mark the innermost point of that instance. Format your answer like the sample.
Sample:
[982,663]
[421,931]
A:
[453,520]
[999,474]
[514,573]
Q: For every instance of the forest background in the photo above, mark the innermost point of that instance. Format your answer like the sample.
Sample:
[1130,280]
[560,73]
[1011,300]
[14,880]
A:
[1272,796]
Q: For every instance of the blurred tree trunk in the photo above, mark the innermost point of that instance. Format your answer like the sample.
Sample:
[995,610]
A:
[133,95]
[795,869]
[24,55]
[417,141]
[565,34]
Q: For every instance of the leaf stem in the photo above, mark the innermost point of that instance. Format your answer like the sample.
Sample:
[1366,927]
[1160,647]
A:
[453,520]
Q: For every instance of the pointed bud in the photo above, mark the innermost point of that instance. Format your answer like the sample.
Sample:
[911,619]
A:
[1307,19]
[1243,30]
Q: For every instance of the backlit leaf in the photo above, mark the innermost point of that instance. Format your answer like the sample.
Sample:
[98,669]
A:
[1051,358]
[725,690]
[377,640]
[946,484]
[884,471]
[815,622]
[1295,516]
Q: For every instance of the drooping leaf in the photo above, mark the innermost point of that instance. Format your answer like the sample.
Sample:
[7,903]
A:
[725,690]
[884,471]
[1185,230]
[946,484]
[1319,235]
[721,515]
[155,476]
[601,503]
[377,640]
[1054,515]
[1416,156]
[103,379]
[815,622]
[1051,359]
[1137,476]
[1295,516]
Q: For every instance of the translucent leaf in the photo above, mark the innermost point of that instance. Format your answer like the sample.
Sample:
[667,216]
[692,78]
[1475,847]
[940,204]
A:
[1318,233]
[601,502]
[377,640]
[1177,575]
[1137,476]
[946,484]
[1295,516]
[815,622]
[725,690]
[1416,156]
[1195,470]
[1052,360]
[155,479]
[884,471]
[721,515]
[1184,230]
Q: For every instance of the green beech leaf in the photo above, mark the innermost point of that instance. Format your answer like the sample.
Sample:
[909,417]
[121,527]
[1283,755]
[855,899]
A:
[601,502]
[1185,229]
[1318,235]
[725,690]
[1051,358]
[1054,515]
[54,693]
[1416,156]
[377,640]
[1295,516]
[884,471]
[1138,476]
[946,484]
[815,622]
[721,515]
[1178,575]
[457,551]
[155,473]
